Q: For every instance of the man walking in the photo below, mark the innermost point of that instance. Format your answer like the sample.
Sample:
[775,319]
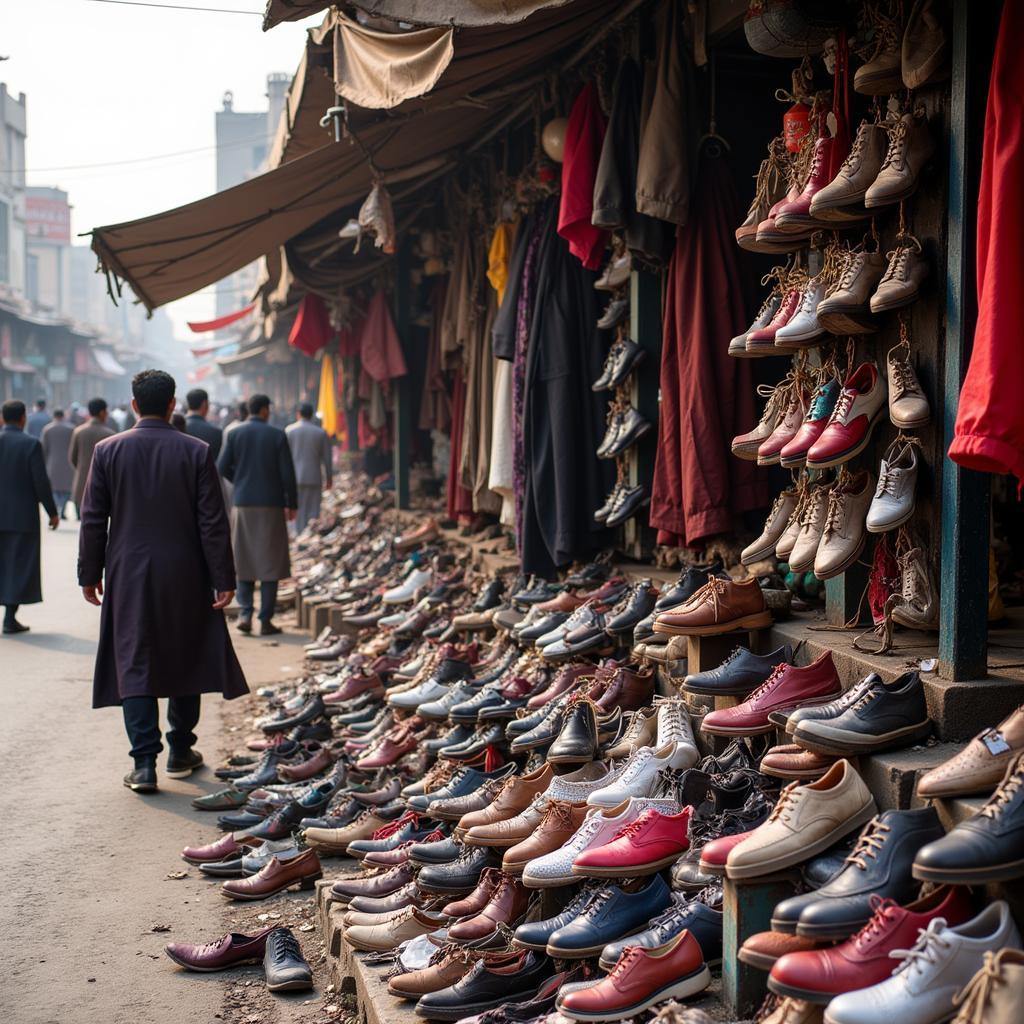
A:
[56,441]
[38,419]
[24,487]
[155,545]
[83,441]
[257,461]
[311,452]
[196,424]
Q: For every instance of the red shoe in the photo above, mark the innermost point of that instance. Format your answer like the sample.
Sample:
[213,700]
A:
[818,414]
[640,979]
[355,686]
[651,842]
[859,408]
[863,960]
[565,679]
[713,855]
[224,847]
[794,215]
[786,689]
[769,453]
[392,747]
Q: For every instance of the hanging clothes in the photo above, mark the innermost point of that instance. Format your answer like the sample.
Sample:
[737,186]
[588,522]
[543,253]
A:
[498,254]
[669,124]
[311,330]
[563,419]
[584,135]
[380,351]
[454,318]
[327,407]
[460,499]
[615,187]
[707,397]
[435,405]
[477,420]
[989,431]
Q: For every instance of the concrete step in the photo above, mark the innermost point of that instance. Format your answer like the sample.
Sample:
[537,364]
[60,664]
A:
[891,776]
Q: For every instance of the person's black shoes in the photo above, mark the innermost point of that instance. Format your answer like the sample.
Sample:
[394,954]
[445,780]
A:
[181,766]
[244,626]
[142,779]
[283,963]
[12,626]
[269,629]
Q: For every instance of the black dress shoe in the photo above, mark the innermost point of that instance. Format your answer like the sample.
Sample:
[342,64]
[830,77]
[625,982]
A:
[231,868]
[740,673]
[244,626]
[515,978]
[490,596]
[629,354]
[986,848]
[269,629]
[879,866]
[635,606]
[443,852]
[544,733]
[631,500]
[142,779]
[577,741]
[632,427]
[611,435]
[691,579]
[284,965]
[545,624]
[311,710]
[181,766]
[460,875]
[12,626]
[538,592]
[477,744]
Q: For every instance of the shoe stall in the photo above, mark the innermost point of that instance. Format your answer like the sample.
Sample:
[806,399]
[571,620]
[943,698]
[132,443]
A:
[580,734]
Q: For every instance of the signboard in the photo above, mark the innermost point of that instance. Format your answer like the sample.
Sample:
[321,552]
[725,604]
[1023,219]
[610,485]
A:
[49,219]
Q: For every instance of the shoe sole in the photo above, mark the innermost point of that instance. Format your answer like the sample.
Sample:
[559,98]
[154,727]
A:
[760,961]
[839,743]
[747,453]
[762,620]
[309,882]
[717,691]
[849,320]
[838,570]
[885,307]
[1005,872]
[184,773]
[141,787]
[296,985]
[782,773]
[893,524]
[818,998]
[759,555]
[686,986]
[806,851]
[632,870]
[837,931]
[454,1013]
[850,453]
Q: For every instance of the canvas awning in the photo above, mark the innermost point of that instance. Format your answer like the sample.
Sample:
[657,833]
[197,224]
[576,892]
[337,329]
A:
[235,364]
[12,365]
[107,362]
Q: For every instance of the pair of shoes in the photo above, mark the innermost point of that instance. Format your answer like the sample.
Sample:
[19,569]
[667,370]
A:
[277,948]
[142,779]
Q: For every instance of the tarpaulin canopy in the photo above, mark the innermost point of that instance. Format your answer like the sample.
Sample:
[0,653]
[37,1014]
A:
[417,12]
[202,326]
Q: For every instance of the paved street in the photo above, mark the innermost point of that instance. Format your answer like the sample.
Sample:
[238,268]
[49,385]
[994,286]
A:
[86,861]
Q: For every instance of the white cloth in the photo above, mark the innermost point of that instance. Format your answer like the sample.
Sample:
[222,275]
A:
[502,475]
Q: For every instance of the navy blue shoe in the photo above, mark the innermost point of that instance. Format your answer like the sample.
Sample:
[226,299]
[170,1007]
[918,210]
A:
[739,675]
[535,934]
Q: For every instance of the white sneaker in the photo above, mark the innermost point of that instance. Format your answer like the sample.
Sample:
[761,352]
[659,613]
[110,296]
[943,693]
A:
[424,693]
[674,726]
[803,327]
[893,503]
[942,962]
[638,778]
[407,589]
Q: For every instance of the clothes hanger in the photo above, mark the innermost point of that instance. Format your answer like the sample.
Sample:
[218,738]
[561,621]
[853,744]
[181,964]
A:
[717,143]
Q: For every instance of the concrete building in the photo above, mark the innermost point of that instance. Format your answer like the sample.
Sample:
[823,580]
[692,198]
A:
[48,249]
[13,130]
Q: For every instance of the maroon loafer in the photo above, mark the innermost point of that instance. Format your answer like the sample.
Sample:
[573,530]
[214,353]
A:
[224,847]
[230,951]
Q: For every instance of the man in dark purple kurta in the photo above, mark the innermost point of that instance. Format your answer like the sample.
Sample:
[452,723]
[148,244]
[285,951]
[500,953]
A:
[153,521]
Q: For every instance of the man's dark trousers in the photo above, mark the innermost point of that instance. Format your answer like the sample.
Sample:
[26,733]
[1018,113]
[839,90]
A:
[246,596]
[142,722]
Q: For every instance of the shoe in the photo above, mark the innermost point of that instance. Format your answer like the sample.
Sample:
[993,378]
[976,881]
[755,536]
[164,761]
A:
[373,886]
[649,843]
[910,148]
[842,538]
[722,606]
[986,848]
[516,794]
[806,820]
[269,629]
[491,982]
[12,626]
[866,958]
[637,778]
[901,282]
[925,50]
[229,799]
[919,606]
[405,925]
[879,867]
[790,720]
[924,986]
[229,951]
[770,451]
[632,427]
[893,503]
[630,501]
[811,524]
[442,972]
[794,215]
[628,357]
[846,309]
[769,238]
[691,579]
[857,410]
[142,778]
[577,740]
[790,535]
[740,673]
[535,934]
[275,877]
[816,419]
[880,74]
[308,712]
[460,875]
[556,827]
[765,315]
[769,190]
[788,761]
[465,780]
[284,966]
[636,605]
[745,446]
[641,978]
[762,340]
[505,906]
[980,766]
[615,312]
[408,588]
[610,915]
[763,949]
[842,199]
[244,626]
[995,993]
[908,407]
[180,766]
[764,546]
[803,330]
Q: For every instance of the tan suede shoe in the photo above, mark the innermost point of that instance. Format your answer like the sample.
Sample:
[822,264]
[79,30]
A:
[510,831]
[980,766]
[556,828]
[410,923]
[335,840]
[514,797]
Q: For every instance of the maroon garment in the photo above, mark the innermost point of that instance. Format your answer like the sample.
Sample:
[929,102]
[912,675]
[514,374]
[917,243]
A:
[154,530]
[989,433]
[311,330]
[460,499]
[435,402]
[584,136]
[379,348]
[707,397]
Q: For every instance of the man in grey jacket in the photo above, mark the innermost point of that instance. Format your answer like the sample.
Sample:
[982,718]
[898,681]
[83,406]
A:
[311,453]
[56,441]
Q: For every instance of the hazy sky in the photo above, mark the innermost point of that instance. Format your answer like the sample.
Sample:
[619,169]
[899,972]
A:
[108,84]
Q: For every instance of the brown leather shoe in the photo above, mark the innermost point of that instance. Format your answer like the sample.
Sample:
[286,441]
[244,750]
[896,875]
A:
[514,797]
[764,948]
[223,848]
[562,602]
[471,905]
[507,904]
[509,831]
[625,689]
[276,876]
[383,884]
[720,606]
[449,966]
[319,762]
[560,822]
[790,761]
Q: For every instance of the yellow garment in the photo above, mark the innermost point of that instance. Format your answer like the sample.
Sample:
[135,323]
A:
[327,406]
[497,258]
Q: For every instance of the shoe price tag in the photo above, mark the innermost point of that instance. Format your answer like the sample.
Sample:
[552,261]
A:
[993,739]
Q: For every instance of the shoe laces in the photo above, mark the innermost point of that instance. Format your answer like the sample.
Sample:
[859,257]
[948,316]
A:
[870,843]
[898,132]
[635,827]
[782,811]
[769,683]
[835,516]
[1007,790]
[602,897]
[558,814]
[812,506]
[975,996]
[882,912]
[776,396]
[899,257]
[847,265]
[284,945]
[902,377]
[626,958]
[927,950]
[910,576]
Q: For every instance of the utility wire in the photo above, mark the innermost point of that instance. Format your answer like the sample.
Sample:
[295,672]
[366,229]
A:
[175,7]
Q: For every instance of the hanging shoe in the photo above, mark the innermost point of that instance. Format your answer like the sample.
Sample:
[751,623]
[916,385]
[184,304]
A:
[908,406]
[881,74]
[774,526]
[819,412]
[846,309]
[893,504]
[901,282]
[853,419]
[765,315]
[745,446]
[842,539]
[842,200]
[770,451]
[919,608]
[910,148]
[803,328]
